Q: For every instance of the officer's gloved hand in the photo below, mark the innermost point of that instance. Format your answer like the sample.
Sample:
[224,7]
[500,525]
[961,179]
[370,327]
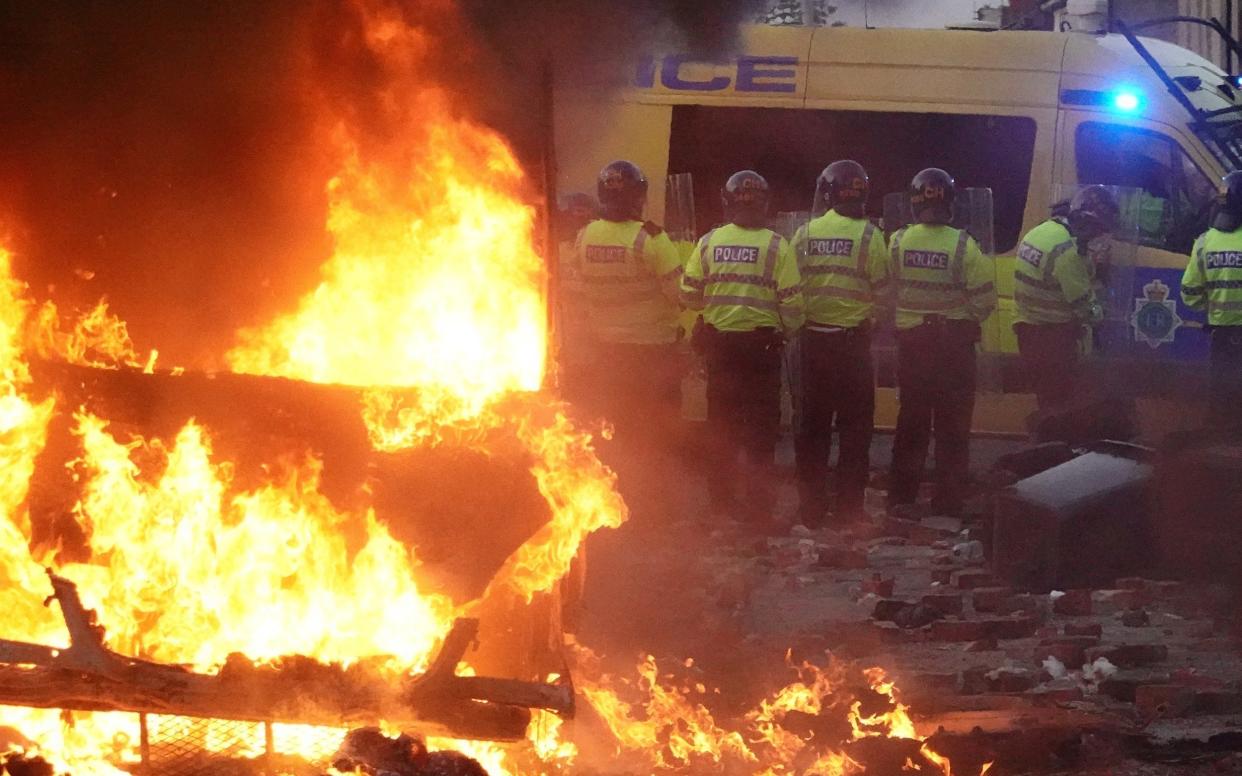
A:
[1095,314]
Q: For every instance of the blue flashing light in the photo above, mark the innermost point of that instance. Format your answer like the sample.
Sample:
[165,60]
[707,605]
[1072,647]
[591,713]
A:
[1126,101]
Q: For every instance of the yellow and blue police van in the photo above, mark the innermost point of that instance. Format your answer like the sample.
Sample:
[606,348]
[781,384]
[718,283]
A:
[1026,114]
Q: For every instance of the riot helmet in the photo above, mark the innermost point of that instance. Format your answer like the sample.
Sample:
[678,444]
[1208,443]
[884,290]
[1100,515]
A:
[1093,212]
[745,197]
[1229,206]
[622,189]
[931,196]
[842,186]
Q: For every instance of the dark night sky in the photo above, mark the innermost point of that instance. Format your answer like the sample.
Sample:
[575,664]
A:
[172,148]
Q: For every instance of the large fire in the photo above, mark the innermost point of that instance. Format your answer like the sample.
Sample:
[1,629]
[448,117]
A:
[434,300]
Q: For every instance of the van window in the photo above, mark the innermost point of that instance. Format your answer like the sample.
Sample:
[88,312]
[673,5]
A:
[790,147]
[1175,194]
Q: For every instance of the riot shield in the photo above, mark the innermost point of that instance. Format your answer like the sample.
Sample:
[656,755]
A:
[679,211]
[1113,259]
[972,211]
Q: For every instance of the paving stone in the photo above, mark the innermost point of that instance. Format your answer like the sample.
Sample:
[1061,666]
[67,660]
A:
[1129,655]
[989,599]
[1075,603]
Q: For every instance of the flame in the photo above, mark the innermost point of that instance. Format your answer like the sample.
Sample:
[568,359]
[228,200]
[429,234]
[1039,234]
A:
[434,299]
[98,339]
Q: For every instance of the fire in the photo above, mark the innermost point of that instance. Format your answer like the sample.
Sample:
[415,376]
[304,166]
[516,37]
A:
[666,728]
[434,299]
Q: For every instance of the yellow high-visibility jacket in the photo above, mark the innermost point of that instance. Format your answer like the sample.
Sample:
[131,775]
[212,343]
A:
[1052,280]
[1212,282]
[744,279]
[625,275]
[844,266]
[939,270]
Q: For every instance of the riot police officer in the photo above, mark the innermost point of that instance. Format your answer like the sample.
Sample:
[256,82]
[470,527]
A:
[944,290]
[844,266]
[744,277]
[624,279]
[1212,283]
[1053,295]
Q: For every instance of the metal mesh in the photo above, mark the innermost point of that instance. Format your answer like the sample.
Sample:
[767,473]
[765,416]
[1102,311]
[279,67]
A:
[186,746]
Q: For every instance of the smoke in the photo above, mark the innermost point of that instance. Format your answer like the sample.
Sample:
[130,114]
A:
[170,156]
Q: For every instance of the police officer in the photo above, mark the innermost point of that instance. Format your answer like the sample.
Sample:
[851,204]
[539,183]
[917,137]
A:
[943,287]
[744,277]
[844,265]
[624,278]
[1212,283]
[1053,294]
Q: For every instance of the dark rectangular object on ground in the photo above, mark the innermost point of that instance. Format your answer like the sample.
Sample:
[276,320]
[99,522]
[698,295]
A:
[1081,524]
[1199,491]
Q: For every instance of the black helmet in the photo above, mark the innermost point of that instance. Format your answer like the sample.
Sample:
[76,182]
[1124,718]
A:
[1092,212]
[1229,206]
[843,186]
[745,197]
[622,191]
[931,196]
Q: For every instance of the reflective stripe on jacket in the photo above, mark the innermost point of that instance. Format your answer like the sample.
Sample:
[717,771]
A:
[1052,280]
[626,277]
[1212,282]
[844,266]
[939,270]
[744,279]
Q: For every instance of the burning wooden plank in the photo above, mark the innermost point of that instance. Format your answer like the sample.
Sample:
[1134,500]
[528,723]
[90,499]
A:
[88,676]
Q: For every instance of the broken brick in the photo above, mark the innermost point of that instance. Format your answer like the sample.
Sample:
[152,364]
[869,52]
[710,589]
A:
[958,630]
[942,576]
[1111,601]
[1075,603]
[879,585]
[970,579]
[1016,627]
[1070,650]
[1055,692]
[947,603]
[1123,685]
[1130,655]
[1163,700]
[988,599]
[1021,603]
[1084,629]
[1010,680]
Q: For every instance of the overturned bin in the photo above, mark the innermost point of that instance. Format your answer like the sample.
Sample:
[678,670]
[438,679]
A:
[1080,524]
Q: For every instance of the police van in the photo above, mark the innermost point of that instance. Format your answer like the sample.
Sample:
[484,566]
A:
[1025,114]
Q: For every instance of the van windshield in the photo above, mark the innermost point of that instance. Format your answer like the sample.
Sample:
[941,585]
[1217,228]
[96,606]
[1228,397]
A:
[791,146]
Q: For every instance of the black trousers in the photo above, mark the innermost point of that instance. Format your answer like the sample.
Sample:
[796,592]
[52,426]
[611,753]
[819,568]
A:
[743,417]
[1225,377]
[838,388]
[1049,354]
[936,378]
